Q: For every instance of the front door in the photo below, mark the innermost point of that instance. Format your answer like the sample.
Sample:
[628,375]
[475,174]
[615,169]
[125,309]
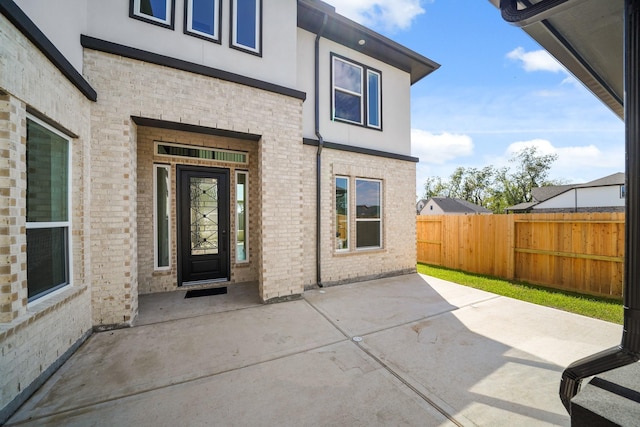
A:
[203,224]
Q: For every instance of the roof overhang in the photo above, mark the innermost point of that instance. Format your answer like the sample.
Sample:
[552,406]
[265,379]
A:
[349,33]
[586,36]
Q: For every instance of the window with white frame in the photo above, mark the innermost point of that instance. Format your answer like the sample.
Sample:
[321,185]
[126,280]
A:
[48,223]
[342,213]
[158,12]
[161,223]
[242,212]
[368,213]
[246,25]
[356,93]
[202,19]
[373,99]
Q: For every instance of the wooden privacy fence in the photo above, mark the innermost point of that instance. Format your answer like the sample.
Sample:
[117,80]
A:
[580,252]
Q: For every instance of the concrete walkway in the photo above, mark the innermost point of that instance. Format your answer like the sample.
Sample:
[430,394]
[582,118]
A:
[410,350]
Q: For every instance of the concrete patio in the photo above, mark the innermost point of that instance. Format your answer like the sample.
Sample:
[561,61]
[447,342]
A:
[431,353]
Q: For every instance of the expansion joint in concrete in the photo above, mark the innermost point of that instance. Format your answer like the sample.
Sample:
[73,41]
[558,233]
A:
[359,344]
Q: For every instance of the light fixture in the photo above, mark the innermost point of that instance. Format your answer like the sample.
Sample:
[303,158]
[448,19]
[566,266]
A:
[361,42]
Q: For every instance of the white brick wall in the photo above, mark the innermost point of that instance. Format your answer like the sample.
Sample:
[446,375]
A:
[34,336]
[398,254]
[132,88]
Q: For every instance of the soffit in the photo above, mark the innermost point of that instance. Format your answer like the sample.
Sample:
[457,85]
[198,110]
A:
[348,33]
[587,39]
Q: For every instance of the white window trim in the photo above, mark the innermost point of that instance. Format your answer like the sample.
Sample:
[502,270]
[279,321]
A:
[58,224]
[335,88]
[378,100]
[168,13]
[155,217]
[348,232]
[246,217]
[216,21]
[366,248]
[258,29]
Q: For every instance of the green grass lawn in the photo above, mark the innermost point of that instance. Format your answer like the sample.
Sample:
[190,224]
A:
[600,308]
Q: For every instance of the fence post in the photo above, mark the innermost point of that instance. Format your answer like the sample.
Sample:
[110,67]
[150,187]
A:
[511,246]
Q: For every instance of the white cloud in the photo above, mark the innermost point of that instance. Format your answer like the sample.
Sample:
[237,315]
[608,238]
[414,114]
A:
[389,15]
[542,145]
[536,60]
[575,163]
[439,148]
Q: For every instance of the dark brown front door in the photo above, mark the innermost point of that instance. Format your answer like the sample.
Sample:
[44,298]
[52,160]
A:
[203,224]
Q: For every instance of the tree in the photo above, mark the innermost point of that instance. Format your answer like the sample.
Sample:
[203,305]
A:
[433,187]
[496,189]
[532,170]
[477,185]
[473,185]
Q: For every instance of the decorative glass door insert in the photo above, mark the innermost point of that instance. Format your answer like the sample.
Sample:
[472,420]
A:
[204,215]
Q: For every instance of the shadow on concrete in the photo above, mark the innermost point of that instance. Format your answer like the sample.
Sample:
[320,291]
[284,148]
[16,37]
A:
[432,353]
[166,306]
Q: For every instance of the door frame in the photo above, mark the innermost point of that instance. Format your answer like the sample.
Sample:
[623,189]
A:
[180,198]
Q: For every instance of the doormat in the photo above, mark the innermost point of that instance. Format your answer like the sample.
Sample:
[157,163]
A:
[205,292]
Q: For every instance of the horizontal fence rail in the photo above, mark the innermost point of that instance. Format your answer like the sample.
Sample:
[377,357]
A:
[579,252]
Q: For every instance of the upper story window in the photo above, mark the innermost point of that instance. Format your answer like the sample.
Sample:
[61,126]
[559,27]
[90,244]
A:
[202,19]
[246,25]
[356,93]
[373,99]
[159,12]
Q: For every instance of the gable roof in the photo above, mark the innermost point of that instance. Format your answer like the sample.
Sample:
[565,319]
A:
[540,194]
[613,179]
[452,205]
[521,206]
[349,33]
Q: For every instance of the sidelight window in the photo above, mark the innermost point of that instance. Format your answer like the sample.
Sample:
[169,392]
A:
[242,223]
[161,224]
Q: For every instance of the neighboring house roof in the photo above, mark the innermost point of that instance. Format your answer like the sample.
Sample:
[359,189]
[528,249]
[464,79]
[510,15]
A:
[521,206]
[452,205]
[614,179]
[349,33]
[541,194]
[421,203]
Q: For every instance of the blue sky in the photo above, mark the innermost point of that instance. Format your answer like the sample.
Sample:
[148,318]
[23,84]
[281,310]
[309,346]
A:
[496,92]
